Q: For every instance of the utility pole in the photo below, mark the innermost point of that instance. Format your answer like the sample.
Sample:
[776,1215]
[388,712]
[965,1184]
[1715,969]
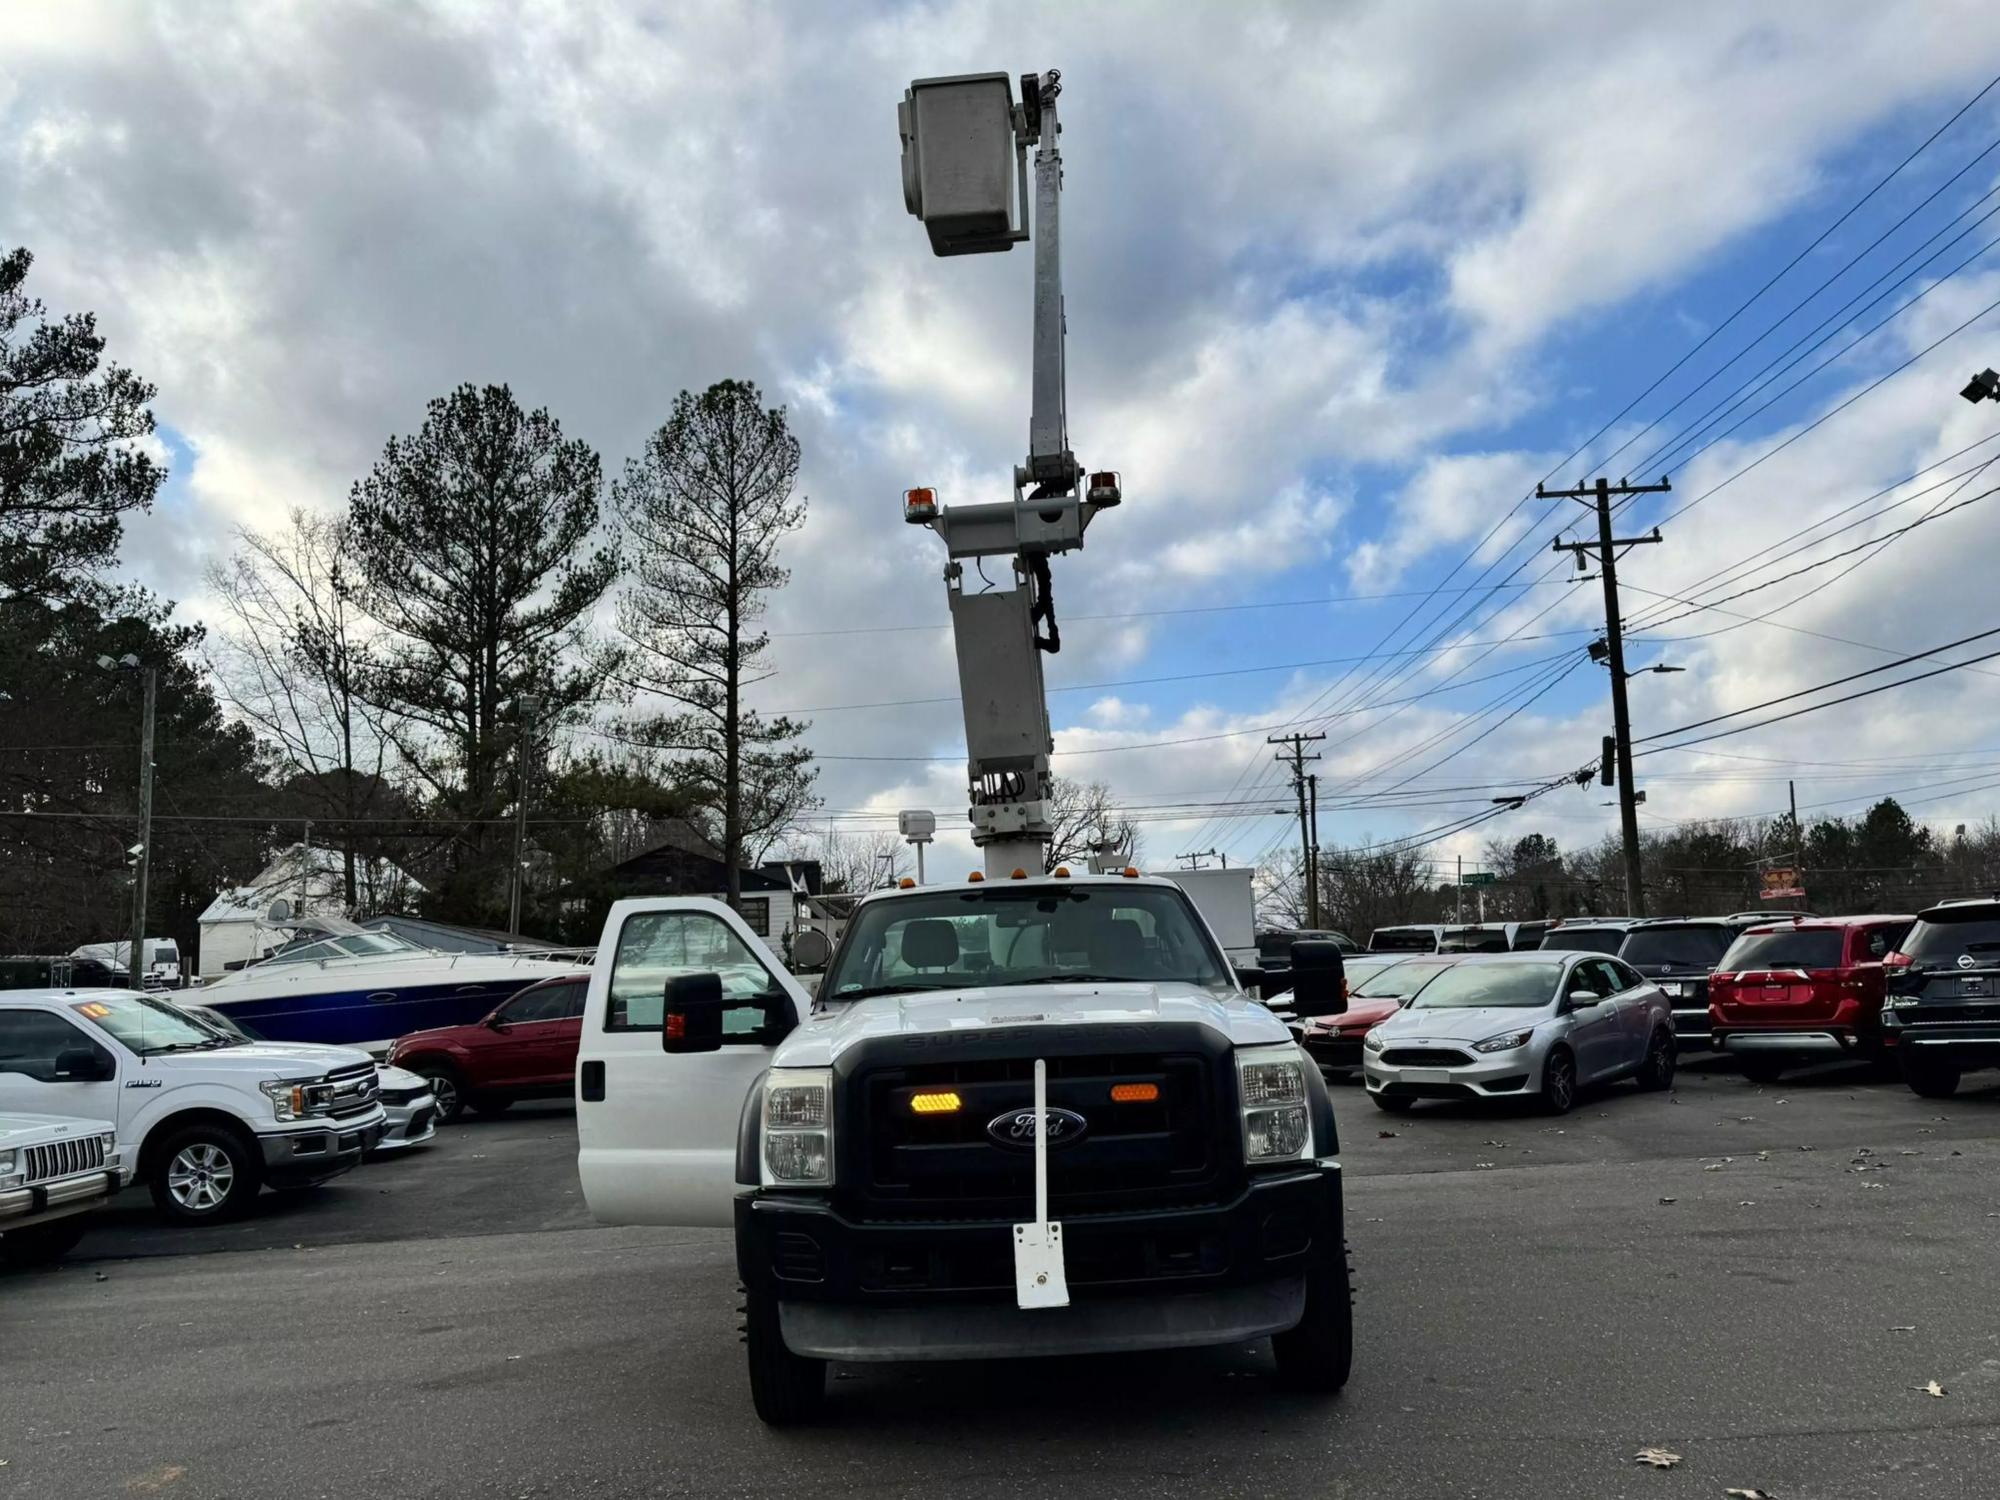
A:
[1458,894]
[1312,846]
[137,968]
[1194,857]
[1605,550]
[529,707]
[1297,746]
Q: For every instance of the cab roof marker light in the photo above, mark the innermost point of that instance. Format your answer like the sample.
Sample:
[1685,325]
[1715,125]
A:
[1130,872]
[1020,875]
[1062,872]
[975,877]
[906,884]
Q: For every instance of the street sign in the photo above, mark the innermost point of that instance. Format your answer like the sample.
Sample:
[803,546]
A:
[1481,877]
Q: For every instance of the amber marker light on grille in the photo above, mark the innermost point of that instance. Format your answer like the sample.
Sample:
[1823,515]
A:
[1134,1093]
[946,1102]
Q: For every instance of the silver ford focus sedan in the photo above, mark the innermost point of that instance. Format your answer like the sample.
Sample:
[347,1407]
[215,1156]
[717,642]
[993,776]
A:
[1514,1025]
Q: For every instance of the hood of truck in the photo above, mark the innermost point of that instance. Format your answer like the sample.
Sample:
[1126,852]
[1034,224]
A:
[39,1130]
[844,1024]
[256,1060]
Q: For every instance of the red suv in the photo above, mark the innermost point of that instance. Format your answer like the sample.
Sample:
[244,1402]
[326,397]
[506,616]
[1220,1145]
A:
[1800,991]
[526,1049]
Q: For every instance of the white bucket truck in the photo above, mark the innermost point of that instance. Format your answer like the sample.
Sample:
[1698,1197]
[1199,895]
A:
[1025,1114]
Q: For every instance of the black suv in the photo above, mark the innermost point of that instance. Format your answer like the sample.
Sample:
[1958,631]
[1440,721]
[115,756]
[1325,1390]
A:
[1678,954]
[1941,1016]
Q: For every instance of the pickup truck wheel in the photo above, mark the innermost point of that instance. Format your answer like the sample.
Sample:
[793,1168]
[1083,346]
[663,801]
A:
[39,1244]
[1319,1353]
[1762,1069]
[1559,1082]
[1657,1071]
[204,1173]
[1930,1080]
[445,1089]
[786,1388]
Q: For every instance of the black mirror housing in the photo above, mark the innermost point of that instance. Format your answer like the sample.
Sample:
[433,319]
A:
[83,1065]
[1319,978]
[692,1018]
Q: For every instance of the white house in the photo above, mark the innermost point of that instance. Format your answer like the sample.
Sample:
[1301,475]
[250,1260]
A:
[311,878]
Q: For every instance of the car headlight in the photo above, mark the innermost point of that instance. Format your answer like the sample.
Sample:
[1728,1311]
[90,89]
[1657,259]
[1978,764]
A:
[1505,1042]
[798,1128]
[295,1099]
[1373,1041]
[1271,1088]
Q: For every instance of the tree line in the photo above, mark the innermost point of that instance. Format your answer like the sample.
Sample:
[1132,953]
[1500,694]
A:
[1882,861]
[487,623]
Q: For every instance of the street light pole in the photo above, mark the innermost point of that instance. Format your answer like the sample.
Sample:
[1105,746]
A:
[137,968]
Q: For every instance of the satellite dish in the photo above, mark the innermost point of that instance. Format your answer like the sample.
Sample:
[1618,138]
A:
[279,913]
[811,948]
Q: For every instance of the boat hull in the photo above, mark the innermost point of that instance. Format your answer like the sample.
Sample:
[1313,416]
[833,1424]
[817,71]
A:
[371,1010]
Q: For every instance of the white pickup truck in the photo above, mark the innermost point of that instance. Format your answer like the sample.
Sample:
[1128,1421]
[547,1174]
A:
[53,1173]
[204,1119]
[1021,1117]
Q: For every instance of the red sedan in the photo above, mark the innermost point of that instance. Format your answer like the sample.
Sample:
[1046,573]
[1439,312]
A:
[526,1049]
[1376,990]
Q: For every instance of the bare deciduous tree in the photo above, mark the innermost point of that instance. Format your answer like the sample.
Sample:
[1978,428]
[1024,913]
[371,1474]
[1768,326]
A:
[1087,819]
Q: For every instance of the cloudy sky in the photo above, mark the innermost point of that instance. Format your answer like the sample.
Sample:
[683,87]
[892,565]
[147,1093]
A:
[1344,281]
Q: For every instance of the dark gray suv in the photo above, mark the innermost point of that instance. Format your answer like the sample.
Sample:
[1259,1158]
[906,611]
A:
[1941,1016]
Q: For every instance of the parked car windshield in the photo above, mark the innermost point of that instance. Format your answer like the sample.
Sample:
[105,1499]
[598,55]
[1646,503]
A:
[1582,940]
[1012,934]
[1694,946]
[148,1026]
[1396,981]
[1402,940]
[1473,940]
[1471,985]
[1940,937]
[1801,948]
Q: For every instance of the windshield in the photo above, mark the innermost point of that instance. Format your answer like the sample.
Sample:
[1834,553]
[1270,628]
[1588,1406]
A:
[1474,940]
[149,1026]
[1475,985]
[1692,947]
[1940,937]
[1402,940]
[1802,948]
[1039,934]
[348,945]
[1398,981]
[1583,939]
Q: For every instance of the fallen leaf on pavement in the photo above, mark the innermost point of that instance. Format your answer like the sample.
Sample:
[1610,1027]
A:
[1750,1495]
[1904,1328]
[1747,1203]
[1670,1200]
[1714,1166]
[1929,1388]
[1385,1135]
[1482,1164]
[1863,1151]
[1656,1458]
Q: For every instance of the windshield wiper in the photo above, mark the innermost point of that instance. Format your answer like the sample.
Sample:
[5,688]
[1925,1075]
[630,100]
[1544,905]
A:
[870,991]
[1076,979]
[202,1046]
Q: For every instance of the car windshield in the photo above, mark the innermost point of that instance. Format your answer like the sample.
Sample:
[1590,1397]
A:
[1471,986]
[346,945]
[1402,940]
[1474,940]
[149,1026]
[1012,934]
[1397,981]
[1799,948]
[1582,939]
[1941,937]
[1694,946]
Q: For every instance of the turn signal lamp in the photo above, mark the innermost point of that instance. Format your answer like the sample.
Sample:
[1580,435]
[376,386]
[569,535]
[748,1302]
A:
[944,1102]
[1134,1093]
[920,507]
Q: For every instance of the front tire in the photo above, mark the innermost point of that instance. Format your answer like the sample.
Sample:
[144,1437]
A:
[40,1244]
[203,1174]
[1657,1071]
[446,1089]
[786,1388]
[1559,1082]
[1318,1355]
[1930,1080]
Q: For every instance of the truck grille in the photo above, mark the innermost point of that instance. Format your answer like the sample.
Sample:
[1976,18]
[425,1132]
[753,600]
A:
[65,1158]
[354,1090]
[1166,1151]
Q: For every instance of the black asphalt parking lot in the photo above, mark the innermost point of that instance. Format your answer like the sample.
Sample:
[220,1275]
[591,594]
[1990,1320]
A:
[1761,1280]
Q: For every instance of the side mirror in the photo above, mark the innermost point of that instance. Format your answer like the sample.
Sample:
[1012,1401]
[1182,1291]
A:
[495,1022]
[692,1018]
[1319,978]
[1584,999]
[83,1065]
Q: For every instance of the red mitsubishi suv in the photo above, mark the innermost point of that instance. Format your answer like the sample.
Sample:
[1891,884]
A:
[526,1049]
[1796,992]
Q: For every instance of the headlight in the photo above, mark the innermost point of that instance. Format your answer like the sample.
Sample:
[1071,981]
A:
[1373,1041]
[1506,1042]
[293,1099]
[1271,1088]
[798,1128]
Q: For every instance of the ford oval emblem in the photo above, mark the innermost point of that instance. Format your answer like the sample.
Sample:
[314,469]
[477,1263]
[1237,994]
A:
[1016,1128]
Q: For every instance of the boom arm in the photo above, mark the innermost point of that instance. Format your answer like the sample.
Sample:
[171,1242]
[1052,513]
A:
[994,627]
